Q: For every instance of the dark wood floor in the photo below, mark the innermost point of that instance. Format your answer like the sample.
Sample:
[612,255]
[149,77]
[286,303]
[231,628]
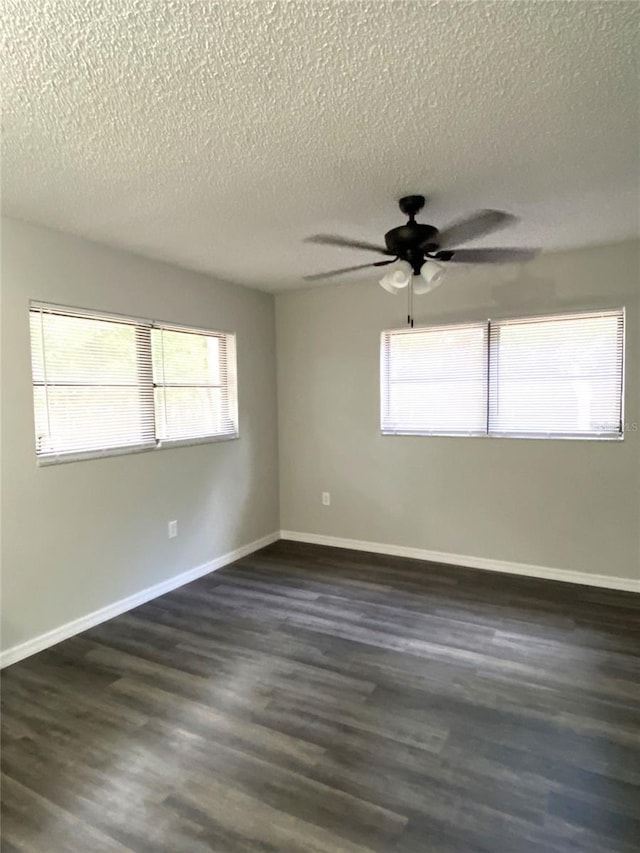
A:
[320,700]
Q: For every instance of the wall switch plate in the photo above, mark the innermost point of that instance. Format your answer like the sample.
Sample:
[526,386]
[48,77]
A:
[173,529]
[326,499]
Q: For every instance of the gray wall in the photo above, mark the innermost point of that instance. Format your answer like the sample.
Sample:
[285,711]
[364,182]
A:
[556,503]
[79,536]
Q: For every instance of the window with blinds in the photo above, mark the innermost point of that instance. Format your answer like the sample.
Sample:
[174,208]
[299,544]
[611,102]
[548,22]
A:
[104,384]
[539,377]
[557,376]
[434,381]
[194,383]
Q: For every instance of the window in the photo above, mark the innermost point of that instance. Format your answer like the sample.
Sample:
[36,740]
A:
[434,381]
[194,383]
[559,376]
[103,383]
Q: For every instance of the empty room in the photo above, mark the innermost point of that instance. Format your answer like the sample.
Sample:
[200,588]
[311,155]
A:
[320,518]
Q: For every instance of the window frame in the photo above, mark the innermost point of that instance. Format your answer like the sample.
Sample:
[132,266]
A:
[594,436]
[143,327]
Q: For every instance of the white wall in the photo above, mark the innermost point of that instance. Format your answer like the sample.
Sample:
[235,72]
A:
[77,537]
[571,505]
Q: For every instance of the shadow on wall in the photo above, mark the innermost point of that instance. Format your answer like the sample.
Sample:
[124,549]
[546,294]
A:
[510,291]
[525,289]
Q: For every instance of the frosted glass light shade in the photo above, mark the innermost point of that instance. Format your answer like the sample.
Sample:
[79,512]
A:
[431,275]
[397,278]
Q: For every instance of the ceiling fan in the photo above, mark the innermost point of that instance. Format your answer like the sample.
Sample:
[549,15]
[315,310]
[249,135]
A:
[419,250]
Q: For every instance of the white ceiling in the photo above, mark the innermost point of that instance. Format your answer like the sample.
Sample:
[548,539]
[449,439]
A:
[218,135]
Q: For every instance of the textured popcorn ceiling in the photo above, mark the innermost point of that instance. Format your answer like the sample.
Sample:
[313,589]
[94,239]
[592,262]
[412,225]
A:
[218,135]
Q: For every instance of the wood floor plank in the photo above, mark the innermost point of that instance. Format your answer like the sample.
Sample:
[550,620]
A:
[318,700]
[35,824]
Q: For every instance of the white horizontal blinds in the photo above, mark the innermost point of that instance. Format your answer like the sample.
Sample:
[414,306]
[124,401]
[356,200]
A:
[91,382]
[434,380]
[560,375]
[195,384]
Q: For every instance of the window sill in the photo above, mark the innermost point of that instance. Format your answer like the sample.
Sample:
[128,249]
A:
[510,435]
[63,458]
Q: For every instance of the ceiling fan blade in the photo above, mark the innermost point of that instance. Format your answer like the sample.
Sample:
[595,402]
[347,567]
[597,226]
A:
[319,275]
[475,225]
[489,256]
[334,240]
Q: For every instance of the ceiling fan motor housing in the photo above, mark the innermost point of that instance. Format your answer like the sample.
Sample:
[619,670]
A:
[411,241]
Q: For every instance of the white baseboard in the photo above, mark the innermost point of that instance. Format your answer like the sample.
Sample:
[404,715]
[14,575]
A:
[70,629]
[543,572]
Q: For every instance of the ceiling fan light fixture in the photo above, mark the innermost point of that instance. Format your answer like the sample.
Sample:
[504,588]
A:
[431,275]
[386,284]
[397,278]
